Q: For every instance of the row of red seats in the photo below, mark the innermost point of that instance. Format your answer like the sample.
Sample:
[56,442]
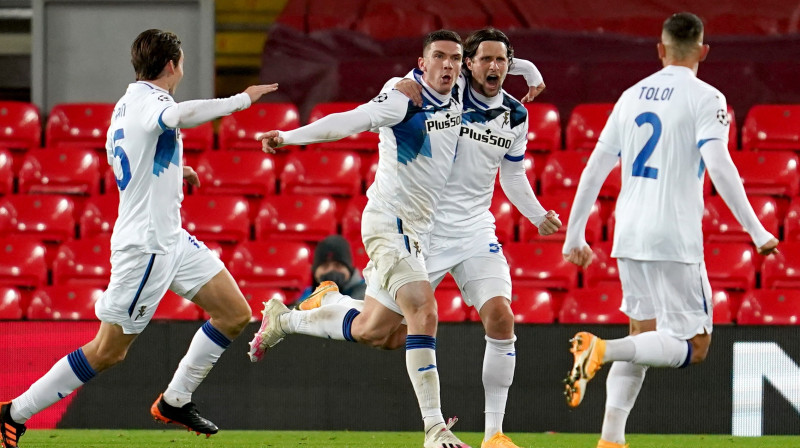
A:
[766,127]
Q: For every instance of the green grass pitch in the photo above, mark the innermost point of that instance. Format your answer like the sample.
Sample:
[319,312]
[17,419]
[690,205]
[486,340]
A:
[68,438]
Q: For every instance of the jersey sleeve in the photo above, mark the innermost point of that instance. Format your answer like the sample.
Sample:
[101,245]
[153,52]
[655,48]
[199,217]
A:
[610,140]
[712,118]
[386,109]
[517,151]
[153,108]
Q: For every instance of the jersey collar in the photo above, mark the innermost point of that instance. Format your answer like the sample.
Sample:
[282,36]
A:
[151,85]
[432,95]
[485,102]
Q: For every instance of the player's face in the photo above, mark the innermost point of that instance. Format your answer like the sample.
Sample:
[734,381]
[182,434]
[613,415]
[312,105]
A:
[440,65]
[489,68]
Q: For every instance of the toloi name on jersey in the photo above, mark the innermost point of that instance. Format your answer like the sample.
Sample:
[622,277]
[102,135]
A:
[438,125]
[491,139]
[656,93]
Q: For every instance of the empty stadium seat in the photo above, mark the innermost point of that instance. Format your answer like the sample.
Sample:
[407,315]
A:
[603,270]
[10,303]
[719,224]
[79,125]
[768,172]
[585,124]
[296,217]
[563,170]
[20,125]
[360,257]
[723,308]
[83,262]
[99,215]
[239,130]
[544,127]
[6,172]
[561,202]
[322,172]
[47,217]
[599,305]
[60,171]
[220,218]
[351,217]
[199,138]
[505,217]
[450,305]
[791,224]
[276,264]
[730,265]
[540,265]
[248,173]
[364,141]
[64,302]
[385,19]
[733,139]
[782,270]
[257,296]
[22,262]
[770,307]
[772,127]
[174,307]
[532,306]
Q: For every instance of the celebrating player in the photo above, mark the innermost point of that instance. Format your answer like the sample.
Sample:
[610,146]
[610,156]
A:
[150,252]
[665,129]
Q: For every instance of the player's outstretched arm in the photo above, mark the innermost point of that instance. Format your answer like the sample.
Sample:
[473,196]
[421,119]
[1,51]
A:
[327,129]
[533,77]
[193,113]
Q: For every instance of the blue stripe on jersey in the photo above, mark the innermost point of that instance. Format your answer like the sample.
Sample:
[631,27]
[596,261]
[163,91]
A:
[161,123]
[514,158]
[166,151]
[704,141]
[215,335]
[80,365]
[471,97]
[141,285]
[518,112]
[702,168]
[427,95]
[411,136]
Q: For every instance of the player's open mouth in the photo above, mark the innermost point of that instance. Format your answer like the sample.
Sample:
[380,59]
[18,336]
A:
[447,79]
[492,80]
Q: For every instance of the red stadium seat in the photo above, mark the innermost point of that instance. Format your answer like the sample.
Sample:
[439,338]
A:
[772,127]
[532,306]
[385,19]
[369,168]
[599,305]
[723,308]
[561,202]
[768,172]
[10,303]
[791,225]
[450,305]
[216,217]
[782,270]
[544,127]
[733,140]
[360,257]
[79,125]
[64,302]
[6,172]
[351,217]
[22,263]
[60,171]
[603,271]
[720,225]
[99,215]
[505,217]
[585,124]
[247,173]
[257,296]
[364,141]
[20,125]
[274,263]
[770,307]
[296,217]
[730,265]
[174,307]
[47,217]
[540,265]
[563,170]
[199,138]
[239,130]
[83,262]
[322,172]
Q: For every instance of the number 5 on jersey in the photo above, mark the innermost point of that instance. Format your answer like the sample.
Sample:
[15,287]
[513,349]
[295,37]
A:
[122,166]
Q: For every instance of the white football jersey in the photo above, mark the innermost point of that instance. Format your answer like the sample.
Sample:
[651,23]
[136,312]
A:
[491,129]
[657,127]
[417,147]
[147,160]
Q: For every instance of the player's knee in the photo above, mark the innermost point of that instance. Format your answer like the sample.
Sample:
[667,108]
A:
[105,359]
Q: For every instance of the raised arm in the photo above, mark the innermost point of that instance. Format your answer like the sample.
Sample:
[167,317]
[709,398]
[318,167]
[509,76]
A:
[533,77]
[192,113]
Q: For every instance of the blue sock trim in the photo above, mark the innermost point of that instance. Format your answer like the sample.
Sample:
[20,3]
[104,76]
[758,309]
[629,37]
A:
[347,324]
[420,341]
[215,335]
[688,356]
[80,365]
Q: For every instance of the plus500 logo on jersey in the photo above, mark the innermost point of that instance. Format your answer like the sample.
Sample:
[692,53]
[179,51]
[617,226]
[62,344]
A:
[438,125]
[487,137]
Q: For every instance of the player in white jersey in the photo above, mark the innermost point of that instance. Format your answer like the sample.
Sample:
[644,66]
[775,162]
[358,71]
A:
[666,129]
[416,151]
[150,251]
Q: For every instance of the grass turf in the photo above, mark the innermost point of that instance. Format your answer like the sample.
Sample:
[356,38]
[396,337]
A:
[343,439]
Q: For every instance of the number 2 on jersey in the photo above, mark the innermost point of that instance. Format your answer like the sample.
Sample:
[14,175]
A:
[124,164]
[639,167]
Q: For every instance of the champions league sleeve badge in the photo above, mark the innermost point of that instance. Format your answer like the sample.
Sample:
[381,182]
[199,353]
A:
[723,118]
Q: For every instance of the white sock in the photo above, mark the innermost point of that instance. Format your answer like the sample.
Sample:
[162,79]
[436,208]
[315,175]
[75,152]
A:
[337,298]
[421,366]
[330,322]
[499,361]
[66,375]
[619,350]
[207,346]
[657,349]
[622,387]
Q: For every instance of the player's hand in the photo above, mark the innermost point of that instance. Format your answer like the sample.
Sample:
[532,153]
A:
[580,256]
[411,89]
[771,247]
[190,176]
[533,92]
[256,92]
[550,225]
[269,141]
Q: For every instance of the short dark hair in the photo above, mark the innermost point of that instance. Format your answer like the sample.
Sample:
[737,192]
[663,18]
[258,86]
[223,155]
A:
[437,35]
[487,34]
[685,29]
[152,50]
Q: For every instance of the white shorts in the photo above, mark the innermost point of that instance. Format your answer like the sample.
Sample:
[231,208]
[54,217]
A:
[677,295]
[139,281]
[476,262]
[396,255]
